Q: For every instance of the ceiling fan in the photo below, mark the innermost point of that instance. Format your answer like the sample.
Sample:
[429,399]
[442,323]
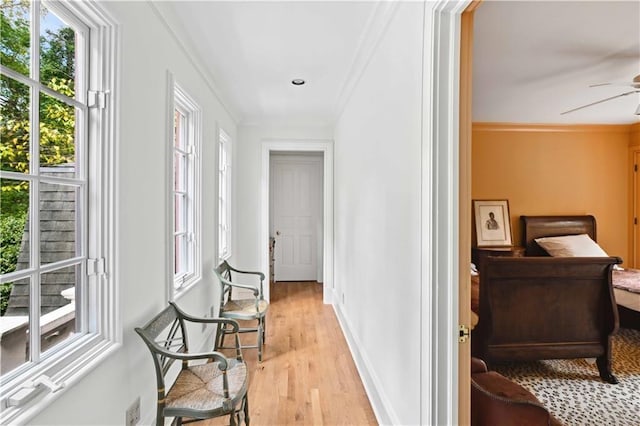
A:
[635,84]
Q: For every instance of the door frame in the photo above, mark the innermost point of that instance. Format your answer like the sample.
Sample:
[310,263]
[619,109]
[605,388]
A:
[442,196]
[635,207]
[301,146]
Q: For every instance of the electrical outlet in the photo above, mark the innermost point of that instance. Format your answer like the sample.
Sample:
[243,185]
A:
[133,413]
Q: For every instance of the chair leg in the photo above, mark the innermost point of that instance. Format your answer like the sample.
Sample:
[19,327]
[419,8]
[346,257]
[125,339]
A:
[159,416]
[232,418]
[246,410]
[260,338]
[220,337]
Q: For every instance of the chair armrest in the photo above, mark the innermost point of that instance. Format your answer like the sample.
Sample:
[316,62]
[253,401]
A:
[256,292]
[495,399]
[155,347]
[478,365]
[194,356]
[191,318]
[260,274]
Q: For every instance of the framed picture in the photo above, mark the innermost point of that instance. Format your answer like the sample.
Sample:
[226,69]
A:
[493,227]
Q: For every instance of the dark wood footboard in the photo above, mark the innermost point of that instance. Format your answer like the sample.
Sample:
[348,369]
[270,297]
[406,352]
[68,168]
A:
[544,308]
[629,318]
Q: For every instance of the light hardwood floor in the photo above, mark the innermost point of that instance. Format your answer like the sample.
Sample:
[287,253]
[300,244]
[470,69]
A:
[307,375]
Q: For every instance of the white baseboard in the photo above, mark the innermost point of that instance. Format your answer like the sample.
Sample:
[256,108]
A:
[375,391]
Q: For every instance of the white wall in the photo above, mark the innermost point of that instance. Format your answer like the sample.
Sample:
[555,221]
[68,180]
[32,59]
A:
[247,173]
[377,215]
[147,52]
[377,219]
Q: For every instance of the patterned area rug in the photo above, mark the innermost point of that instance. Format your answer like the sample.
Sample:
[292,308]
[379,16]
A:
[573,391]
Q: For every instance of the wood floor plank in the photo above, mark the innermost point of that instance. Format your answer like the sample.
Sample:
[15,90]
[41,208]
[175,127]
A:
[307,376]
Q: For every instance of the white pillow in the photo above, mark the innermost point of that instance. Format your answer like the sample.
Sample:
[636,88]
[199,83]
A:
[571,246]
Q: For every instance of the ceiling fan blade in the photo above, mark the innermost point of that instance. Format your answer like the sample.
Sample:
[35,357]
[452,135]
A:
[600,101]
[634,84]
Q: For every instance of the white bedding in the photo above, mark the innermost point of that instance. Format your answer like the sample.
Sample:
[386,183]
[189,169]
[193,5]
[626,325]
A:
[627,299]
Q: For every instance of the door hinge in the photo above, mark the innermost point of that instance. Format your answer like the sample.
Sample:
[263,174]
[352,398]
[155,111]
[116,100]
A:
[96,266]
[635,167]
[463,335]
[96,99]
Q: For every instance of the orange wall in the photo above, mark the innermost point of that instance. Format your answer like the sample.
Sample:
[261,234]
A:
[557,170]
[634,139]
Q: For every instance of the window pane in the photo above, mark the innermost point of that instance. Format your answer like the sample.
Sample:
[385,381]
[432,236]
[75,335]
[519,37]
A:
[180,254]
[180,172]
[14,125]
[58,222]
[222,238]
[14,325]
[180,224]
[58,305]
[14,225]
[179,140]
[57,132]
[57,54]
[14,48]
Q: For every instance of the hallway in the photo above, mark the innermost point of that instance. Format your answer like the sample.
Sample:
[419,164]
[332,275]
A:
[307,375]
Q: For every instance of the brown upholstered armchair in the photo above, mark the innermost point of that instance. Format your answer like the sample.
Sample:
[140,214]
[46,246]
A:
[496,400]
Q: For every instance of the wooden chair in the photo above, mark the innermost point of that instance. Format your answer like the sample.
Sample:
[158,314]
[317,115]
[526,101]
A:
[245,309]
[201,391]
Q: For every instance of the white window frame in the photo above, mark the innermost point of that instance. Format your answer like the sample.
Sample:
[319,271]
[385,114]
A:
[181,281]
[225,161]
[30,388]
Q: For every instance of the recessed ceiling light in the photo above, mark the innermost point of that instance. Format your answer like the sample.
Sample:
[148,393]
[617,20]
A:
[297,82]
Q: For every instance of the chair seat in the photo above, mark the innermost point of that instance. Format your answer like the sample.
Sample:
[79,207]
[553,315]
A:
[244,309]
[198,391]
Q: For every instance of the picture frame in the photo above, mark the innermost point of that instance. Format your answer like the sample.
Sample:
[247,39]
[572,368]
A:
[492,223]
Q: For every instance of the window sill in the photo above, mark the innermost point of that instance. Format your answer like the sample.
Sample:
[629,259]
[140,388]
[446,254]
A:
[64,369]
[185,288]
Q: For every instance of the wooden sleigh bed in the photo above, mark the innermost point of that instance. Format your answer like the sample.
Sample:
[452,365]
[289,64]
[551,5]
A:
[541,307]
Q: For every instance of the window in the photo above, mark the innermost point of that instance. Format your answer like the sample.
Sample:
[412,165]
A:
[224,196]
[185,188]
[56,127]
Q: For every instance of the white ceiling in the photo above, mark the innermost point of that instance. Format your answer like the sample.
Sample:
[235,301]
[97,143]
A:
[532,60]
[253,50]
[536,59]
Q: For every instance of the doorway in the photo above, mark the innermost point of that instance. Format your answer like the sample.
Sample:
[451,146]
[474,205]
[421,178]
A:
[324,150]
[295,215]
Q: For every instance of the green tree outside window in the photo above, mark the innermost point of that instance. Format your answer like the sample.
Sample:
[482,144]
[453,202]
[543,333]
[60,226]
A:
[57,119]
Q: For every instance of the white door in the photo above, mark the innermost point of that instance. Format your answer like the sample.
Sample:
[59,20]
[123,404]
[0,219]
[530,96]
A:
[296,216]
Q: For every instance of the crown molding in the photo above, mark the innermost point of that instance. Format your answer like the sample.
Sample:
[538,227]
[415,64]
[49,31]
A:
[184,42]
[547,128]
[374,31]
